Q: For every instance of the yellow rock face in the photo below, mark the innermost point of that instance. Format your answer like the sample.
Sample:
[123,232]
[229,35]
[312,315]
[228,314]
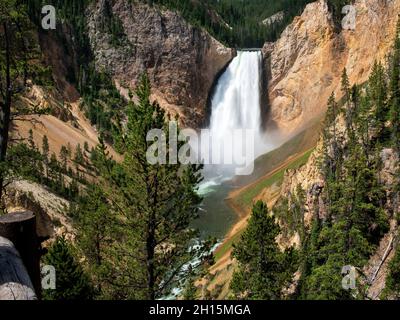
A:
[305,64]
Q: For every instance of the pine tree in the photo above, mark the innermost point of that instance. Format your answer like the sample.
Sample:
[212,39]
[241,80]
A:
[392,288]
[79,159]
[86,146]
[298,211]
[363,124]
[54,169]
[95,224]
[330,134]
[64,158]
[345,86]
[156,204]
[31,142]
[348,105]
[353,194]
[69,149]
[45,154]
[263,270]
[332,154]
[71,281]
[190,290]
[377,91]
[332,111]
[18,62]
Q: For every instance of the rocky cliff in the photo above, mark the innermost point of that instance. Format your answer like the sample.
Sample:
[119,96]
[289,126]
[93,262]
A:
[304,66]
[182,61]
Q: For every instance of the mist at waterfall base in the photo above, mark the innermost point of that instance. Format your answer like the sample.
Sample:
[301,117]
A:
[235,105]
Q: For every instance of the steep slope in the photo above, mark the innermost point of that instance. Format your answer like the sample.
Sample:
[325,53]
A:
[64,125]
[304,66]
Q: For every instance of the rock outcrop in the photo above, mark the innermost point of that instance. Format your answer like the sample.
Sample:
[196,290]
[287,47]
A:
[182,61]
[311,181]
[304,66]
[49,208]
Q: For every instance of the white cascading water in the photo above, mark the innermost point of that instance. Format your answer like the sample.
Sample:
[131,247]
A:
[236,105]
[236,102]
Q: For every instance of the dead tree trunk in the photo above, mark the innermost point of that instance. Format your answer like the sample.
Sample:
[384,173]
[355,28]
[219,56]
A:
[20,229]
[15,283]
[5,112]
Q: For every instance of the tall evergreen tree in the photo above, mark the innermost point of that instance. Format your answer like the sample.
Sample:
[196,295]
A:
[377,92]
[95,227]
[79,158]
[31,142]
[263,270]
[190,290]
[45,154]
[13,70]
[71,281]
[64,158]
[155,203]
[392,288]
[18,62]
[348,105]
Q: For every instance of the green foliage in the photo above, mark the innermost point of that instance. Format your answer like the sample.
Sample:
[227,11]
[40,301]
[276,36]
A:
[290,211]
[70,12]
[190,290]
[103,105]
[113,25]
[377,96]
[356,218]
[152,207]
[331,113]
[263,270]
[353,194]
[79,159]
[237,23]
[325,283]
[26,161]
[95,223]
[71,282]
[392,289]
[101,101]
[18,62]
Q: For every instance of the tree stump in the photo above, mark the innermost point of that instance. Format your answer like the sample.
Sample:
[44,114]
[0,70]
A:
[15,283]
[20,229]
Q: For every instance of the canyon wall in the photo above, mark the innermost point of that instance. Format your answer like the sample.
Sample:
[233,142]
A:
[304,66]
[182,61]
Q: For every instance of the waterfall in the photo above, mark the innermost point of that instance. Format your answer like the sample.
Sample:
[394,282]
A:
[236,102]
[236,105]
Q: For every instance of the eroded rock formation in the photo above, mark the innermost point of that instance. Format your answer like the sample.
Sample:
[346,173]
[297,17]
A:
[182,61]
[304,66]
